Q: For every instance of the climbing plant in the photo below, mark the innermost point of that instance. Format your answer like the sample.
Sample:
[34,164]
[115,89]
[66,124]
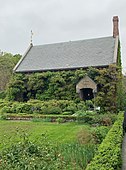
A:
[61,85]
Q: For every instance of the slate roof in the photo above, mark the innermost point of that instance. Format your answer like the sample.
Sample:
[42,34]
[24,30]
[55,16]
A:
[68,55]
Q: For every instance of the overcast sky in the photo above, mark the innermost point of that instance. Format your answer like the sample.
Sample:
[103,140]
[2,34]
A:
[58,21]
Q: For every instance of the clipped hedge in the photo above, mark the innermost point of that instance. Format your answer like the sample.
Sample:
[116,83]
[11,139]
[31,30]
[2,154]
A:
[69,110]
[108,156]
[42,107]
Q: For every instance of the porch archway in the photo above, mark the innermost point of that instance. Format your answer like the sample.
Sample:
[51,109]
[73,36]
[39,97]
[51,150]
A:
[86,88]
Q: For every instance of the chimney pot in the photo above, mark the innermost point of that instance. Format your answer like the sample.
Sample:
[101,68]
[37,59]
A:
[115,26]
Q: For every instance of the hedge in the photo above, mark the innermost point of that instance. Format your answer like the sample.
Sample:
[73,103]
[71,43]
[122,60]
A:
[42,107]
[108,156]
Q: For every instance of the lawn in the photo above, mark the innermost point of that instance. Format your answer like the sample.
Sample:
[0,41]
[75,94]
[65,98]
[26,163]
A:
[71,145]
[56,133]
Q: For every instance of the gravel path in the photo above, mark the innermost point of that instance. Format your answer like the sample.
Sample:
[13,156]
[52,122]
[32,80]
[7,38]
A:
[124,153]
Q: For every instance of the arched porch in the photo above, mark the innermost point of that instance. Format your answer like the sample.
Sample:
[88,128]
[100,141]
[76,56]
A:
[86,88]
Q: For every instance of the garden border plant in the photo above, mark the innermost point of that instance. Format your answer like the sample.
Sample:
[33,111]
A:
[31,153]
[66,107]
[108,156]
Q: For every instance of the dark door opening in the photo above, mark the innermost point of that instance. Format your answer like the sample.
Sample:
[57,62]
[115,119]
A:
[86,94]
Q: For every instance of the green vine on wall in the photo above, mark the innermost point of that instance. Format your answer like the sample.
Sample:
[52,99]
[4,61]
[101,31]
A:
[61,85]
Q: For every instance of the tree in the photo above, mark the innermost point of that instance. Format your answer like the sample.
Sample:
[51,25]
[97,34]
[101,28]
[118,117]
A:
[7,63]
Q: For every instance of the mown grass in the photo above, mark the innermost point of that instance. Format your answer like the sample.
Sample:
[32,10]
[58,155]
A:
[54,132]
[69,145]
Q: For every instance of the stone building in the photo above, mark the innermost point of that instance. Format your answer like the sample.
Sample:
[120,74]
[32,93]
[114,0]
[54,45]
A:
[98,52]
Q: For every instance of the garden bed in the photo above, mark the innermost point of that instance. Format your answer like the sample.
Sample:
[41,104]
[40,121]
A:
[71,144]
[91,118]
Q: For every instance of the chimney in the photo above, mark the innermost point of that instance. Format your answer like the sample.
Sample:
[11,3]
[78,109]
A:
[115,26]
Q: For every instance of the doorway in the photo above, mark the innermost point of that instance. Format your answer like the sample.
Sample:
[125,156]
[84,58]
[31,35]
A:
[86,94]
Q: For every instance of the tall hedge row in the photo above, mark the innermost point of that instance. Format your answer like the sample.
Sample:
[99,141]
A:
[108,156]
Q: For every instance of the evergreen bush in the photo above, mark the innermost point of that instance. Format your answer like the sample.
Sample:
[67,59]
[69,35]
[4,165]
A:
[108,156]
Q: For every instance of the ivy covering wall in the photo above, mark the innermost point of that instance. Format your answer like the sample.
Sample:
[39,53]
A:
[61,85]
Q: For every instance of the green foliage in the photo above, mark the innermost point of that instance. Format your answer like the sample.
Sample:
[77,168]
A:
[124,90]
[44,86]
[61,85]
[3,117]
[42,107]
[84,136]
[2,94]
[59,120]
[110,93]
[46,119]
[38,152]
[94,135]
[28,155]
[94,118]
[76,155]
[7,63]
[119,56]
[99,133]
[121,92]
[17,88]
[108,156]
[56,133]
[53,109]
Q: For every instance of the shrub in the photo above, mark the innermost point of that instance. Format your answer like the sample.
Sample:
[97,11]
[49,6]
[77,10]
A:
[2,94]
[6,109]
[22,108]
[84,136]
[42,107]
[3,117]
[54,110]
[106,121]
[108,156]
[59,120]
[2,103]
[99,133]
[82,106]
[29,155]
[85,116]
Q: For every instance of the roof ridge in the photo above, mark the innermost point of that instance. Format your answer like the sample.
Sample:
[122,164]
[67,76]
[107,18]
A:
[73,41]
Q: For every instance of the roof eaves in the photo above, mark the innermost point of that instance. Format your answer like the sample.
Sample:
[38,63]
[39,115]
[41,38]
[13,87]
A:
[22,58]
[60,69]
